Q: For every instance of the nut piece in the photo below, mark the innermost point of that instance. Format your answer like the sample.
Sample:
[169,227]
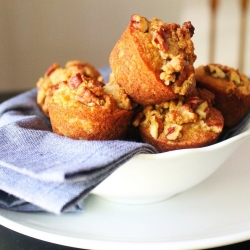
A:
[87,97]
[203,110]
[224,72]
[215,71]
[153,127]
[234,77]
[193,102]
[183,114]
[139,22]
[188,27]
[174,104]
[173,132]
[215,126]
[187,114]
[75,81]
[159,39]
[170,68]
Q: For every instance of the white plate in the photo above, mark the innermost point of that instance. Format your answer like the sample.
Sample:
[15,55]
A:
[214,213]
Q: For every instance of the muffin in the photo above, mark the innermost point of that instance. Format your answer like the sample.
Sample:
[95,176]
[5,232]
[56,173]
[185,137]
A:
[56,74]
[231,89]
[153,60]
[184,122]
[83,108]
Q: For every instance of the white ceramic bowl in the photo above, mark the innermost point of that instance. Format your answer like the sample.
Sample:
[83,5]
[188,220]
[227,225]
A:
[148,178]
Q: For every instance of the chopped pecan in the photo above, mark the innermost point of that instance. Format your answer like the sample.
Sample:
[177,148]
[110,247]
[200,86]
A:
[88,98]
[173,132]
[187,71]
[203,110]
[153,127]
[95,87]
[156,126]
[139,22]
[182,115]
[75,81]
[215,125]
[215,71]
[234,77]
[187,114]
[160,39]
[171,68]
[193,102]
[187,26]
[175,104]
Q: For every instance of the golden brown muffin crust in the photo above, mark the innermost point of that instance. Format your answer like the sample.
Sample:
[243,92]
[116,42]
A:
[81,108]
[153,60]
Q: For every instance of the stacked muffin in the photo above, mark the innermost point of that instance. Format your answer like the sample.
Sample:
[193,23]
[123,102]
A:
[153,63]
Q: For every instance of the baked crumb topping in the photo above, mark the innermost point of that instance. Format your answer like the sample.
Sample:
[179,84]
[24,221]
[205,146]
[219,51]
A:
[224,72]
[175,48]
[80,90]
[167,119]
[55,74]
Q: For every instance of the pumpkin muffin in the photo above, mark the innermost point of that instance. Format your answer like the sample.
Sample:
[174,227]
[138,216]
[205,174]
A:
[56,74]
[231,89]
[184,122]
[83,108]
[153,60]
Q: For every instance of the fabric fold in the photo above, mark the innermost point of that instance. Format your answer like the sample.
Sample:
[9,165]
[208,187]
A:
[40,170]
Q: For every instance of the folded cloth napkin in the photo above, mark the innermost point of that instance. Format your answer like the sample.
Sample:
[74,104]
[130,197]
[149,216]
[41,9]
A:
[42,171]
[49,171]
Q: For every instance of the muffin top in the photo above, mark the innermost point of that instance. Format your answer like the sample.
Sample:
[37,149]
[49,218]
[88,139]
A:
[82,92]
[223,78]
[179,118]
[56,74]
[171,49]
